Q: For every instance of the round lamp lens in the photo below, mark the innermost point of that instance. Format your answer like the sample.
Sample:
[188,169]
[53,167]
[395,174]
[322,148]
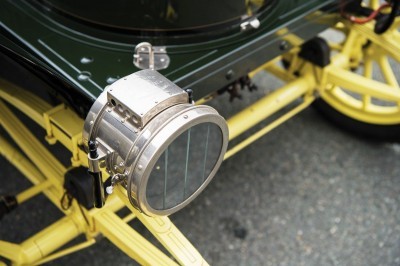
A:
[184,166]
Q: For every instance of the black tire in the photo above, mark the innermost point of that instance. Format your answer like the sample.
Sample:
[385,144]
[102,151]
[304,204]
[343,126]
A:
[389,133]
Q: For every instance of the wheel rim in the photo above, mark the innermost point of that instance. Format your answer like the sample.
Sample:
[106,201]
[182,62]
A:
[363,107]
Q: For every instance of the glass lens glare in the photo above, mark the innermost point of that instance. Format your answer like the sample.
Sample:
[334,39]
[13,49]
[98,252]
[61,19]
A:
[184,166]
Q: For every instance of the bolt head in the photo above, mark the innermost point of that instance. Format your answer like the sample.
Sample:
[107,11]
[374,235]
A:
[284,45]
[229,75]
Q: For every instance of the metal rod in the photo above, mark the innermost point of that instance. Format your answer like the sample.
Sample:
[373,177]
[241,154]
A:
[129,217]
[32,191]
[129,240]
[269,105]
[50,239]
[27,169]
[67,251]
[268,128]
[35,151]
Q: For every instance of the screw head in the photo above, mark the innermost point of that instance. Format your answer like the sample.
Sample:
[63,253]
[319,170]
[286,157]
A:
[284,45]
[229,75]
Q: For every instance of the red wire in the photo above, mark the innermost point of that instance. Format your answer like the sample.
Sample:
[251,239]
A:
[369,18]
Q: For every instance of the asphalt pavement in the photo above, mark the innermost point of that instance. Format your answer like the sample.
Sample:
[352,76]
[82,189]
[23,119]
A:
[305,194]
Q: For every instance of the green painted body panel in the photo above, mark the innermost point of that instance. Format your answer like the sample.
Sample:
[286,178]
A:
[202,66]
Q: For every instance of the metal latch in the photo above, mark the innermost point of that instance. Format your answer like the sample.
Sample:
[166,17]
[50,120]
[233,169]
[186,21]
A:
[252,23]
[150,57]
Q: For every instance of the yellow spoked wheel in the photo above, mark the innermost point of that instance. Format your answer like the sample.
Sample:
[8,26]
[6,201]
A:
[366,101]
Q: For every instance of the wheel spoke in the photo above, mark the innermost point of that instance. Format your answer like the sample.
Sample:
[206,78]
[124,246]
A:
[361,85]
[366,99]
[387,72]
[368,70]
[359,95]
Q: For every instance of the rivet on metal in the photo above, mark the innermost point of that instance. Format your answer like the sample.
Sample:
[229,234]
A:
[284,45]
[111,80]
[229,74]
[86,60]
[84,76]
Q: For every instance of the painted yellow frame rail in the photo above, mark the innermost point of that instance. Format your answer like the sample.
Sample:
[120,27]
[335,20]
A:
[63,125]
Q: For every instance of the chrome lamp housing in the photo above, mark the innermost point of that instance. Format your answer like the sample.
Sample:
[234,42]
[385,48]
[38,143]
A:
[154,141]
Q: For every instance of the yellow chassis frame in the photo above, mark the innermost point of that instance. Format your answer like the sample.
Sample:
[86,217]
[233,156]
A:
[61,124]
